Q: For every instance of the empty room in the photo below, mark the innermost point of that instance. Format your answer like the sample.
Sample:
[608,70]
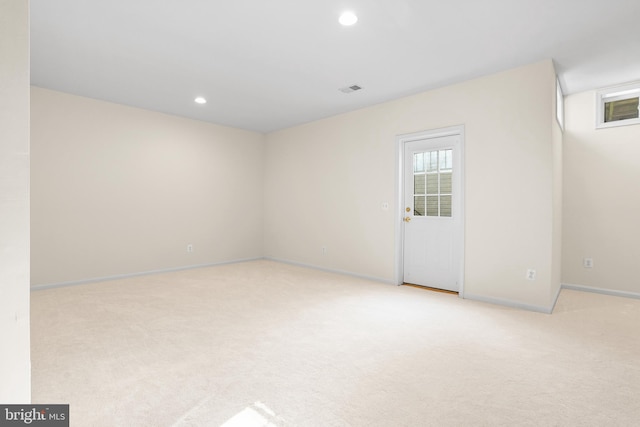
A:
[320,213]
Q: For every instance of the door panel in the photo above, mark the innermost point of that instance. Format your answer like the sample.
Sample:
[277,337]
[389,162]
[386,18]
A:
[433,214]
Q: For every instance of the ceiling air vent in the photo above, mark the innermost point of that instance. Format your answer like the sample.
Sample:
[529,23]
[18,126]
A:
[350,89]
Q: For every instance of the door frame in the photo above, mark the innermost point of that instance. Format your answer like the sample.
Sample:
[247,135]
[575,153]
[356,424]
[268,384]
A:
[399,214]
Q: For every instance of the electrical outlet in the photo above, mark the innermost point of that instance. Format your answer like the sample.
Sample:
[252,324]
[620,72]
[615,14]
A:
[531,274]
[324,250]
[189,248]
[587,262]
[384,206]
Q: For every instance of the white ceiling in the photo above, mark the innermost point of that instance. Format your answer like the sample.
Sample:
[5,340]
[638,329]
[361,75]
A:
[269,64]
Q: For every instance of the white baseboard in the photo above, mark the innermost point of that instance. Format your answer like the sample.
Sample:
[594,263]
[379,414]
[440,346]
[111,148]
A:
[612,292]
[331,270]
[126,276]
[510,303]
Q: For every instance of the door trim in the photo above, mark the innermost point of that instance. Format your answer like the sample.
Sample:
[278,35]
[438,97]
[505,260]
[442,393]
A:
[399,214]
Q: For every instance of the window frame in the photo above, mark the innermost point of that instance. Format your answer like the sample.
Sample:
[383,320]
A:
[616,93]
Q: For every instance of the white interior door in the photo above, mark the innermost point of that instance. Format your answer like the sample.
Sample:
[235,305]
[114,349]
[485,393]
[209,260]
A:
[433,222]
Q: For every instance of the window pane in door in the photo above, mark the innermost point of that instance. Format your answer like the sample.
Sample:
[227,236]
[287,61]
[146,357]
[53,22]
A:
[432,164]
[445,205]
[446,159]
[445,183]
[419,206]
[418,162]
[432,183]
[419,184]
[432,205]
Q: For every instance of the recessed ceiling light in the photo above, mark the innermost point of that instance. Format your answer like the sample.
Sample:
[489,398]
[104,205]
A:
[200,100]
[348,18]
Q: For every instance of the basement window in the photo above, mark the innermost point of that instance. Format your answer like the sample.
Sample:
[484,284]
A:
[618,106]
[559,105]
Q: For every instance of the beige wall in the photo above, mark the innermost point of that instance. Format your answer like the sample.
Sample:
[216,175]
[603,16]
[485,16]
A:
[15,369]
[601,200]
[325,182]
[118,190]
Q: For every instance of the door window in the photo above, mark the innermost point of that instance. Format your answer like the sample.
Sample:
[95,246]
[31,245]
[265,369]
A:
[432,189]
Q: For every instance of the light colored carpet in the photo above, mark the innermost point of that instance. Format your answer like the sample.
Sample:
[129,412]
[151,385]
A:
[269,344]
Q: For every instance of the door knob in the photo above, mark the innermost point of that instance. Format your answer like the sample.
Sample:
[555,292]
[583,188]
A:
[407,218]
